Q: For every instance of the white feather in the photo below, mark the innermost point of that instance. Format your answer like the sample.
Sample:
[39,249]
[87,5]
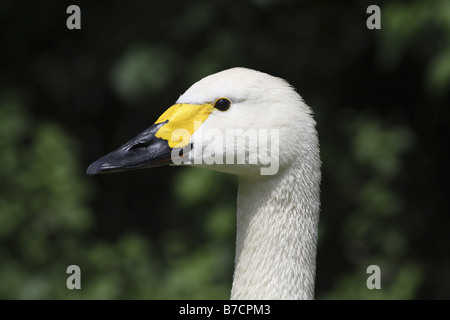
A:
[277,215]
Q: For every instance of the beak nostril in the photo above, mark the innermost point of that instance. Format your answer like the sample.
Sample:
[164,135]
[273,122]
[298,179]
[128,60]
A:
[140,145]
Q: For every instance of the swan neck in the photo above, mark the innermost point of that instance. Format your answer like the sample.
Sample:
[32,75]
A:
[277,220]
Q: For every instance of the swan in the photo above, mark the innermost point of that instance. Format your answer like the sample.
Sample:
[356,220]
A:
[256,126]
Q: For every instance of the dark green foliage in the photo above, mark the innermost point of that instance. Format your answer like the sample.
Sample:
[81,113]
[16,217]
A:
[381,99]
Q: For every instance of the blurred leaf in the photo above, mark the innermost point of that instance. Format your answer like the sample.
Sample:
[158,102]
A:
[144,70]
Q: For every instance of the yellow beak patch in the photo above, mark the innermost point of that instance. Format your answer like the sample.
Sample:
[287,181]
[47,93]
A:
[183,119]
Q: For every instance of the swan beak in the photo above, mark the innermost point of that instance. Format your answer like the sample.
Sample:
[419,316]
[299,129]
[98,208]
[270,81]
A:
[165,141]
[144,151]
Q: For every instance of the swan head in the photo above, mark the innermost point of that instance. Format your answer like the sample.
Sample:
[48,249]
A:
[238,121]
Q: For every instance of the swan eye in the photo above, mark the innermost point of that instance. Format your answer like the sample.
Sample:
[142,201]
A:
[222,104]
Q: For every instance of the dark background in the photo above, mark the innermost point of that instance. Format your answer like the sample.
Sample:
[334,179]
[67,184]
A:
[380,97]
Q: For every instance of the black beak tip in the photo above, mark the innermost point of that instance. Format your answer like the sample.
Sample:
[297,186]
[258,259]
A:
[102,165]
[143,151]
[90,171]
[93,169]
